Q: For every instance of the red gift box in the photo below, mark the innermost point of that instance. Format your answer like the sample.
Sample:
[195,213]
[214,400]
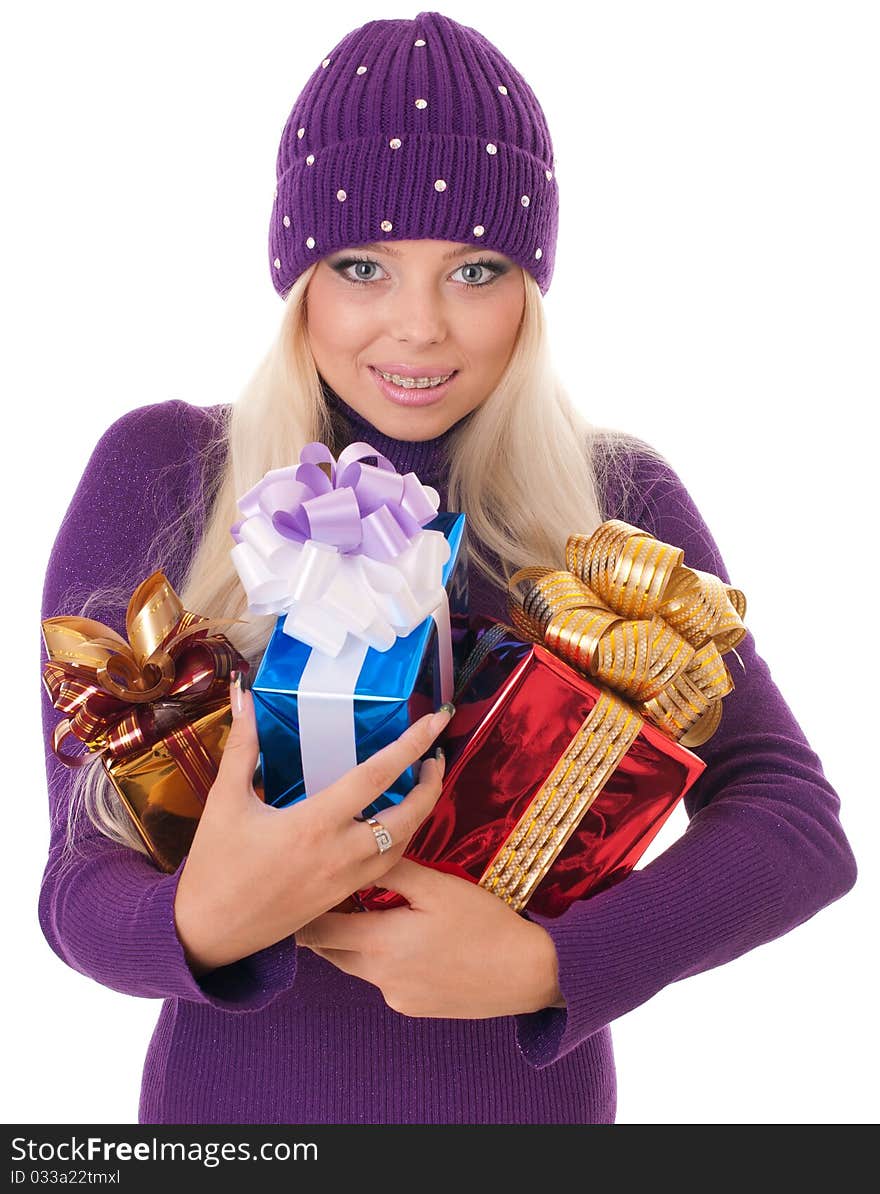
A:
[556,783]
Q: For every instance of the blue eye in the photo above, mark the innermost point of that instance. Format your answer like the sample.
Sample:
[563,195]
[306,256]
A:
[495,267]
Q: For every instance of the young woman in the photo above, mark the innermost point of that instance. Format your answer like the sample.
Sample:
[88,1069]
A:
[412,237]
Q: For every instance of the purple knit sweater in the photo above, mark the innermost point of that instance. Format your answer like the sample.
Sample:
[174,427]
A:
[283,1036]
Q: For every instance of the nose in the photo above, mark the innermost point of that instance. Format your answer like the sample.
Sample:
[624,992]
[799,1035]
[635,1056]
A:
[417,316]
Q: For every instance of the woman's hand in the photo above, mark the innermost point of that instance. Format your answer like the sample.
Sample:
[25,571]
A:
[457,951]
[254,873]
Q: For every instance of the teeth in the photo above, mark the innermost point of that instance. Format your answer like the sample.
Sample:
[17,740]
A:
[414,383]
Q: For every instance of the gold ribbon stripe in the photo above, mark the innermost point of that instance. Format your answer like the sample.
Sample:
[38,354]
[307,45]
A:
[562,801]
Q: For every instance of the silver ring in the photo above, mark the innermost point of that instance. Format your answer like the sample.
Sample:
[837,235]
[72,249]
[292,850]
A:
[384,839]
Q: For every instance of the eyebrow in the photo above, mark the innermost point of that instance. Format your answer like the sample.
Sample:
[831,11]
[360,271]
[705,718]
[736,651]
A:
[386,248]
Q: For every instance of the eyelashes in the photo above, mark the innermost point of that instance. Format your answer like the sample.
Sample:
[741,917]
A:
[495,267]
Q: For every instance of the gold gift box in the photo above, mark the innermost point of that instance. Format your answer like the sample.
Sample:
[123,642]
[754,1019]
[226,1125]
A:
[163,805]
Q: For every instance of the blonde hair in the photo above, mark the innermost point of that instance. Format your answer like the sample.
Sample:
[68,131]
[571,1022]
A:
[549,466]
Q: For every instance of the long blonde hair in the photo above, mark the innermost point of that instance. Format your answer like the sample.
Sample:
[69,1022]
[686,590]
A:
[547,475]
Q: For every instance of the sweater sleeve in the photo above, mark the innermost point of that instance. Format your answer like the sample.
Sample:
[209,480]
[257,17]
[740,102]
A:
[105,908]
[763,850]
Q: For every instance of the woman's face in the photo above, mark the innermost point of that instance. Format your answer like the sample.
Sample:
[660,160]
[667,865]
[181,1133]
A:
[414,306]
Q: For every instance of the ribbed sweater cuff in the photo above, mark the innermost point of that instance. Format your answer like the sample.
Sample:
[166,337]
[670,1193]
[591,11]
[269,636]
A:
[243,986]
[710,897]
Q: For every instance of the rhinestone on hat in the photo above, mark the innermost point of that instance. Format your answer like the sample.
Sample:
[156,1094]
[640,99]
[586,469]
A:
[525,201]
[300,133]
[310,242]
[490,148]
[341,195]
[440,184]
[325,63]
[394,143]
[479,230]
[310,160]
[420,42]
[386,225]
[277,263]
[286,221]
[361,70]
[502,89]
[539,253]
[421,103]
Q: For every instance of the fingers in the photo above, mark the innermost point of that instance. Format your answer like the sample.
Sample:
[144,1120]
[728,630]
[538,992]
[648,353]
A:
[402,820]
[361,785]
[242,750]
[340,931]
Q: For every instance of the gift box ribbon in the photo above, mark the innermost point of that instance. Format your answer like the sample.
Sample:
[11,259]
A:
[124,696]
[629,614]
[339,548]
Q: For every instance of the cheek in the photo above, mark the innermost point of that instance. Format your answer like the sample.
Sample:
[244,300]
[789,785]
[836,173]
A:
[496,320]
[333,325]
[335,317]
[492,333]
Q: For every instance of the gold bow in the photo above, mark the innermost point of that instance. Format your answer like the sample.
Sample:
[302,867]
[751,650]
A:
[114,688]
[629,613]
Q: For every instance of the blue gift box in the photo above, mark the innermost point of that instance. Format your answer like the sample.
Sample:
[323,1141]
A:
[394,688]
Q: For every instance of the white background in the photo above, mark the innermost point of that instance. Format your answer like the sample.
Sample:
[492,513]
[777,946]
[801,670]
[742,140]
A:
[715,292]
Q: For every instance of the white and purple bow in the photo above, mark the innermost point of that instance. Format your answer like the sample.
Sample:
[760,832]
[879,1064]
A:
[344,554]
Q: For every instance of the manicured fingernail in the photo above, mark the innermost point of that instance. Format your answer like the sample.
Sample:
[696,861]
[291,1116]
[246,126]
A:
[235,692]
[442,717]
[440,756]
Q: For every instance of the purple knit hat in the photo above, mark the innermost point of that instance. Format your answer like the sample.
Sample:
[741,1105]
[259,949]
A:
[412,130]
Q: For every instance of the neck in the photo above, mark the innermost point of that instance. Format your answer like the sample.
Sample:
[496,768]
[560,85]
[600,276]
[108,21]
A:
[426,458]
